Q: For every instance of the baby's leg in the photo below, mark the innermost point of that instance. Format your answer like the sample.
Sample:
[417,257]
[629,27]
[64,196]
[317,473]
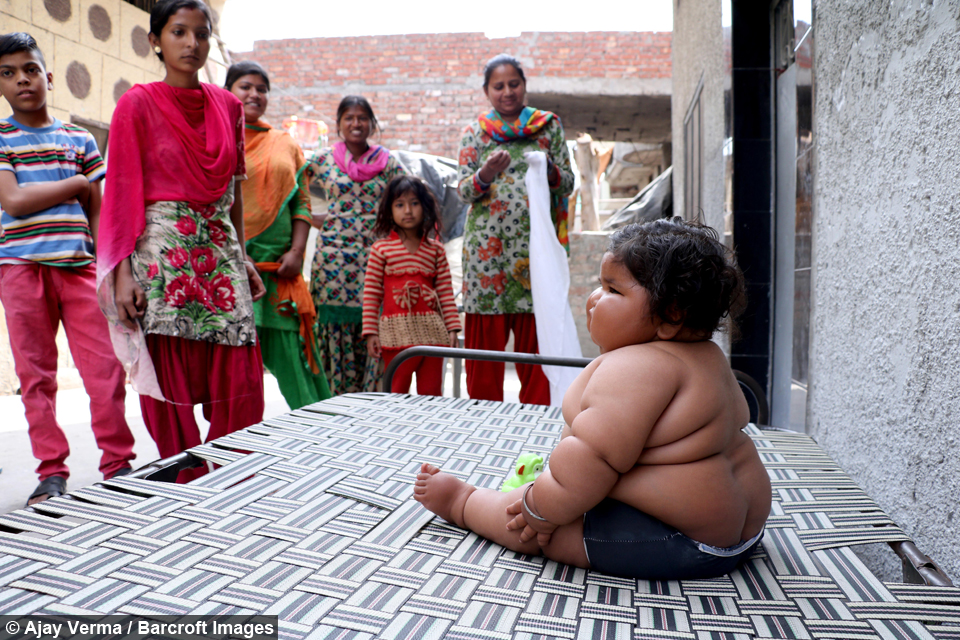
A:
[484,511]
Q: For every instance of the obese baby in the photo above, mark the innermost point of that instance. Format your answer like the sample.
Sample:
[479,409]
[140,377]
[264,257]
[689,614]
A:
[653,477]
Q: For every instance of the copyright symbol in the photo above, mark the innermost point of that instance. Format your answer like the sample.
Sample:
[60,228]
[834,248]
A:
[13,627]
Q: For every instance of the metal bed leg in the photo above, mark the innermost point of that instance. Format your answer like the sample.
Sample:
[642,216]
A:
[457,369]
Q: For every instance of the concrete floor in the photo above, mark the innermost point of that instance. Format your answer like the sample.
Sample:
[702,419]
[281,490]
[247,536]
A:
[18,479]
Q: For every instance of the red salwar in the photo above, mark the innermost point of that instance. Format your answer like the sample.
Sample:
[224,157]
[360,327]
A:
[429,373]
[227,380]
[490,332]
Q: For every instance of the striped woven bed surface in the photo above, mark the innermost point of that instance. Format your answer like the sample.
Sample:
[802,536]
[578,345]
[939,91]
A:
[311,518]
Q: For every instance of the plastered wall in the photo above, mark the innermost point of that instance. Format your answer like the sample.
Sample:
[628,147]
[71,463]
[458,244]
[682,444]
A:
[698,53]
[586,253]
[885,345]
[96,49]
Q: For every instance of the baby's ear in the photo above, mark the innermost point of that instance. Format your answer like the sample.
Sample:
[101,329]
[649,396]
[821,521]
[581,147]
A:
[668,330]
[671,324]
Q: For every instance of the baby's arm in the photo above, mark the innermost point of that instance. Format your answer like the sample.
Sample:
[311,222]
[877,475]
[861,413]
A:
[19,201]
[621,403]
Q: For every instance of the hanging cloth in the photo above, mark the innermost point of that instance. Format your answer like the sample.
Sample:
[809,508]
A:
[369,165]
[549,283]
[274,166]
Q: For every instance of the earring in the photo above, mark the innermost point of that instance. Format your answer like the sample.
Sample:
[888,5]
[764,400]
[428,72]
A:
[156,49]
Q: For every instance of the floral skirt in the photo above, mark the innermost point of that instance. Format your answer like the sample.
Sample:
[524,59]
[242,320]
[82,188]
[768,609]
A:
[343,354]
[189,263]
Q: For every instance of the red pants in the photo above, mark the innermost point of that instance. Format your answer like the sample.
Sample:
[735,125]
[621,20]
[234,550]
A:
[490,332]
[228,381]
[429,374]
[36,298]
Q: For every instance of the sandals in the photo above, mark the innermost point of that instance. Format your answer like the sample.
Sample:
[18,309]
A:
[52,487]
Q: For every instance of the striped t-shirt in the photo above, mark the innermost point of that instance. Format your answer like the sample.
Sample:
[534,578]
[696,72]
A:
[60,235]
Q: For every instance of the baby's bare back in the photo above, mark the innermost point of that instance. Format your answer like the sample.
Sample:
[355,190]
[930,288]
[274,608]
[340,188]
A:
[697,471]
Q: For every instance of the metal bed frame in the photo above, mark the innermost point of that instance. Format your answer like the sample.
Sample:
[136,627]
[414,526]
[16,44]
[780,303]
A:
[309,516]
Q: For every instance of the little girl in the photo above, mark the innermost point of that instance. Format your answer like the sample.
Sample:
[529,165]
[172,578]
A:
[408,274]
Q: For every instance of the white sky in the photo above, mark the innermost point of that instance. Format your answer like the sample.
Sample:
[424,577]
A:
[245,21]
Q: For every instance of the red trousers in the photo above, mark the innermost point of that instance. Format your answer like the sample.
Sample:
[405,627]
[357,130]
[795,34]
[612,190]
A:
[490,332]
[228,381]
[429,374]
[36,298]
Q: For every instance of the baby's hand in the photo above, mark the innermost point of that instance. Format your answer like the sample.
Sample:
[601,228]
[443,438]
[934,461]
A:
[542,531]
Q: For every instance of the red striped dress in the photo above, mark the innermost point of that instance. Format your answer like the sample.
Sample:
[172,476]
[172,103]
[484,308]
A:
[415,292]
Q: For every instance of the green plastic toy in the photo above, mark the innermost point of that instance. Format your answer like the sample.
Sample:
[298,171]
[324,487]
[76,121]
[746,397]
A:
[527,468]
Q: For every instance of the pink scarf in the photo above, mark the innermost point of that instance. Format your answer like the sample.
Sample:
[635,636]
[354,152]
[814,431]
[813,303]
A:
[370,164]
[166,144]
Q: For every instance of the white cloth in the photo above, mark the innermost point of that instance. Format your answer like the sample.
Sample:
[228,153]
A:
[549,282]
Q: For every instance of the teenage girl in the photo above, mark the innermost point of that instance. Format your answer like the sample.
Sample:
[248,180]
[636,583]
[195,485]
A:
[172,271]
[408,274]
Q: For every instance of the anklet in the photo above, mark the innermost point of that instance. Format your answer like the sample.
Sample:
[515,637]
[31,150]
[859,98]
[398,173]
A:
[527,507]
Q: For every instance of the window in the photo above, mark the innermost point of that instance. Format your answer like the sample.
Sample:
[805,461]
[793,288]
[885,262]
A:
[693,157]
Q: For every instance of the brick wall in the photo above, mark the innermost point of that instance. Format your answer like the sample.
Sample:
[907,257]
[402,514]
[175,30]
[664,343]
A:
[426,88]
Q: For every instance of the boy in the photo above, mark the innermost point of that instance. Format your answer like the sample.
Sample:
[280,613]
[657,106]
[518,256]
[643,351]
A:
[50,173]
[652,477]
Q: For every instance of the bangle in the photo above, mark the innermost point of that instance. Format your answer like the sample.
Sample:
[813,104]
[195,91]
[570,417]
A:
[527,507]
[483,185]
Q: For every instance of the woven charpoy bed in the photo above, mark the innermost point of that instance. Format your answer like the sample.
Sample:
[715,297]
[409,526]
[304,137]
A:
[310,518]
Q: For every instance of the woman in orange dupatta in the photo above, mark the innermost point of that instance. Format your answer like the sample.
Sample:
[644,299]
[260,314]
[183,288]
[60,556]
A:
[276,217]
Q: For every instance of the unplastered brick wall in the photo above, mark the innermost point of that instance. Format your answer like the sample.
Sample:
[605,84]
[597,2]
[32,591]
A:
[426,88]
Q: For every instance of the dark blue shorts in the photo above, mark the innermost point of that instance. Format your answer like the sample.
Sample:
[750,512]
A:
[622,541]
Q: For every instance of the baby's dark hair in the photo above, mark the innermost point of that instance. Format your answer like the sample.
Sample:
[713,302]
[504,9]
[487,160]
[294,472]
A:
[396,188]
[19,41]
[691,277]
[244,68]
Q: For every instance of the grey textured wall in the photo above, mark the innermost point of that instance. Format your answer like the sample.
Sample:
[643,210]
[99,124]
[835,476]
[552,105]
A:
[884,398]
[698,52]
[586,254]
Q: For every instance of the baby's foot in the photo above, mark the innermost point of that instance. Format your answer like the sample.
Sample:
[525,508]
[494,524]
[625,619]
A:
[442,493]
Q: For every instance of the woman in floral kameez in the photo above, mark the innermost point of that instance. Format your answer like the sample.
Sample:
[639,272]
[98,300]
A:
[173,277]
[497,296]
[353,173]
[276,220]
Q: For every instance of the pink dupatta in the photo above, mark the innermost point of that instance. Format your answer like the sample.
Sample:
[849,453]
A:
[166,144]
[371,163]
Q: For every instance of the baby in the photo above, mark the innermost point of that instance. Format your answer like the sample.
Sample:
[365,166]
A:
[653,477]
